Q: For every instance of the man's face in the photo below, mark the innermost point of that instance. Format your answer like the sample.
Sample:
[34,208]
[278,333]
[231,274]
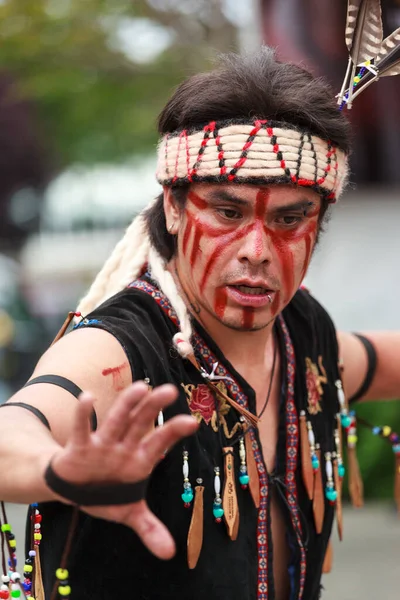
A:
[243,250]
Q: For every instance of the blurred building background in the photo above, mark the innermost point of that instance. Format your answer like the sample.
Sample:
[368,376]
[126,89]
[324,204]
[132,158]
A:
[81,85]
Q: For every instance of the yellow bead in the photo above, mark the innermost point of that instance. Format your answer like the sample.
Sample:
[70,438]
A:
[357,78]
[30,598]
[64,590]
[28,568]
[13,543]
[37,536]
[386,430]
[62,574]
[352,439]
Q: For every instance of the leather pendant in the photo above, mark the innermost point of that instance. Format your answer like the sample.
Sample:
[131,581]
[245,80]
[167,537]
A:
[38,581]
[339,507]
[306,464]
[229,498]
[397,483]
[195,535]
[319,496]
[328,560]
[252,471]
[356,487]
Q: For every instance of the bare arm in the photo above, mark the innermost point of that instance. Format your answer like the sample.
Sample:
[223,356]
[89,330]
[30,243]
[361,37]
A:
[386,382]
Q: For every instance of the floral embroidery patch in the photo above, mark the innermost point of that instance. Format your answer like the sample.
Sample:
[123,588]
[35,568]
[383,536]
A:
[315,377]
[203,406]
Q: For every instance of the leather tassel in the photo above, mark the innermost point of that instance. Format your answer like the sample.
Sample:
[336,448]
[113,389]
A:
[64,327]
[229,498]
[252,471]
[397,483]
[38,581]
[339,507]
[306,464]
[328,560]
[319,496]
[356,487]
[195,535]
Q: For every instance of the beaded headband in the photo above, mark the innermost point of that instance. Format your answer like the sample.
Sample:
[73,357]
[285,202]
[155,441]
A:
[256,151]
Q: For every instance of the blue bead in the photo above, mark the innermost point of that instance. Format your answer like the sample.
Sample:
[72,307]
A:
[218,512]
[345,419]
[331,494]
[187,496]
[376,430]
[341,471]
[244,479]
[315,462]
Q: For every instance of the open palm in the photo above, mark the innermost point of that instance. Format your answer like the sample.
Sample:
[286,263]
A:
[125,449]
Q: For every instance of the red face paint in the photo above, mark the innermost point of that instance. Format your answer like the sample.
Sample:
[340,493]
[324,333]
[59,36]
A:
[248,317]
[221,301]
[118,382]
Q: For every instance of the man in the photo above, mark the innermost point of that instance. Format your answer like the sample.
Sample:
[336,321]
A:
[207,299]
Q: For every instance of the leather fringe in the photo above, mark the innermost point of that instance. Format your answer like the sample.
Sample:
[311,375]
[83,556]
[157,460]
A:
[306,464]
[339,507]
[229,497]
[195,535]
[356,487]
[38,580]
[397,483]
[64,327]
[252,471]
[319,496]
[328,560]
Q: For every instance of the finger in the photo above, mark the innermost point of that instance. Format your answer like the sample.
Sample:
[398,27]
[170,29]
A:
[117,420]
[82,421]
[143,417]
[154,444]
[154,535]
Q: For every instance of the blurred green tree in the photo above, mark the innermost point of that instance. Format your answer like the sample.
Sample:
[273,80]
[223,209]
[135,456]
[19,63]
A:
[99,71]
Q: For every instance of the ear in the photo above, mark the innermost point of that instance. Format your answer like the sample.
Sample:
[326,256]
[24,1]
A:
[172,212]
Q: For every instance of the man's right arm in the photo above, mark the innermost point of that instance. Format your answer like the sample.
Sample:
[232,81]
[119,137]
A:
[92,359]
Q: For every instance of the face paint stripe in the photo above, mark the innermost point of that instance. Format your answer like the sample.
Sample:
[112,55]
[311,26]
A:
[186,234]
[197,200]
[221,300]
[196,244]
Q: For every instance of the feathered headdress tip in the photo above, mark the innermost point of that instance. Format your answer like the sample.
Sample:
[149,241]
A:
[370,56]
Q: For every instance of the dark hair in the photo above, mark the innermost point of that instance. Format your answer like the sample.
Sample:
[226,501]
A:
[248,87]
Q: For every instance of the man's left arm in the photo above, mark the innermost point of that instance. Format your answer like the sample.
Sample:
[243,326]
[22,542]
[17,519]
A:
[353,353]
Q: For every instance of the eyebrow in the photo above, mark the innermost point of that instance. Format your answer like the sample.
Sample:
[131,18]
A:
[227,196]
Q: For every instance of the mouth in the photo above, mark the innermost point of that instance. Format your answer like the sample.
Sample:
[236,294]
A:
[255,296]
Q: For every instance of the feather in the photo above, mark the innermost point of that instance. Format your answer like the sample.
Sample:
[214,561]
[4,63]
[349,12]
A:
[388,51]
[363,35]
[364,30]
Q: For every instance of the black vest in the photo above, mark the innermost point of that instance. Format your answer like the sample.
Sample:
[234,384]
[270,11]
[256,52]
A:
[108,560]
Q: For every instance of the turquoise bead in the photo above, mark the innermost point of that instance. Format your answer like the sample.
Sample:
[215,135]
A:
[187,496]
[341,471]
[345,419]
[218,512]
[244,479]
[396,448]
[315,463]
[331,494]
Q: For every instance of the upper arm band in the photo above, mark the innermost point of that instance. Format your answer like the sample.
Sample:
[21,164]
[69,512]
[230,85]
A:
[38,413]
[65,384]
[371,367]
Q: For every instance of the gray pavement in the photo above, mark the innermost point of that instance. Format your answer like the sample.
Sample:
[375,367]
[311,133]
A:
[366,564]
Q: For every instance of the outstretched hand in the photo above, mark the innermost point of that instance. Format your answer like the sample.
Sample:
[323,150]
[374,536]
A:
[125,449]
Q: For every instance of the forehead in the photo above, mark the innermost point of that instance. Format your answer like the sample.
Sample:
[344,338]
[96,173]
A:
[277,194]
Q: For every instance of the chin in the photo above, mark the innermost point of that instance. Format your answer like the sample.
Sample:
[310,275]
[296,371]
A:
[237,324]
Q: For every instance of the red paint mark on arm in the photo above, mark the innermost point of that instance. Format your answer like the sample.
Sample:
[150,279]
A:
[116,372]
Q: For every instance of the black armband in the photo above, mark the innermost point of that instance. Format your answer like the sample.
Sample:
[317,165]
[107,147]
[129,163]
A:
[371,367]
[65,384]
[35,411]
[95,494]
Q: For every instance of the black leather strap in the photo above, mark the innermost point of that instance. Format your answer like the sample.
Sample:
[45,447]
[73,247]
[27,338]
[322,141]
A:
[65,384]
[96,494]
[31,409]
[371,369]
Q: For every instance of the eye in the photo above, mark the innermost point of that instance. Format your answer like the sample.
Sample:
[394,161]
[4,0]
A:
[288,220]
[229,213]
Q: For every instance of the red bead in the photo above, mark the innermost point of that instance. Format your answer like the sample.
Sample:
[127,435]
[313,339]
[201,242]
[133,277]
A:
[187,505]
[332,502]
[38,518]
[244,486]
[78,314]
[218,520]
[4,594]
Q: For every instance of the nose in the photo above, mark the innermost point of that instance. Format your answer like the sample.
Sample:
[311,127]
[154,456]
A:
[256,246]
